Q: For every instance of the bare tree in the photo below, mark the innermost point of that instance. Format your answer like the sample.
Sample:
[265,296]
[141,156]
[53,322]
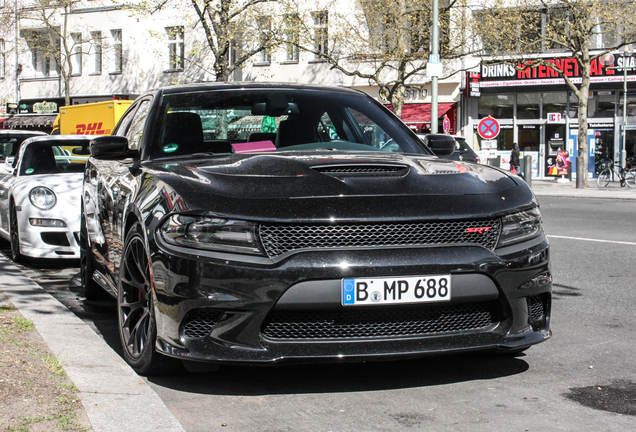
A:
[48,37]
[233,31]
[386,42]
[586,30]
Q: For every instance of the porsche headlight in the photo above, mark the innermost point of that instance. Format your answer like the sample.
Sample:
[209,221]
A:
[42,197]
[210,233]
[520,226]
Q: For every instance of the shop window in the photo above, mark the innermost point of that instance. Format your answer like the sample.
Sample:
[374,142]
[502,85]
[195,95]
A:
[500,106]
[528,137]
[599,104]
[573,105]
[528,106]
[631,105]
[554,103]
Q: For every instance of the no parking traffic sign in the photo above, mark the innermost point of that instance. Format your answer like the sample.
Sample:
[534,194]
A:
[488,128]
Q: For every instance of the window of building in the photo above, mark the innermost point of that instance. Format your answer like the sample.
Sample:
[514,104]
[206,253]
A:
[176,55]
[500,106]
[528,106]
[76,54]
[631,104]
[117,64]
[555,30]
[43,48]
[96,52]
[554,103]
[599,104]
[264,36]
[3,65]
[321,33]
[292,36]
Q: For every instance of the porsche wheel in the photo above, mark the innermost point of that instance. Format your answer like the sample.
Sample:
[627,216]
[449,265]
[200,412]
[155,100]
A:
[92,290]
[136,322]
[16,256]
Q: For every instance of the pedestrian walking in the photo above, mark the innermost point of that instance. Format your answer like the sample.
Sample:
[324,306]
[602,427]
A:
[515,165]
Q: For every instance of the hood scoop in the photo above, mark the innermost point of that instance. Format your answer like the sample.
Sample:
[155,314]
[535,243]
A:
[362,170]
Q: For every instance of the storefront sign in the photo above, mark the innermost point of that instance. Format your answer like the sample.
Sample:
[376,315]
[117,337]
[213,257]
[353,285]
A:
[411,94]
[505,75]
[555,118]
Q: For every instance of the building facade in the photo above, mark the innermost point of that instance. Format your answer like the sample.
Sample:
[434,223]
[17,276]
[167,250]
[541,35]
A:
[118,52]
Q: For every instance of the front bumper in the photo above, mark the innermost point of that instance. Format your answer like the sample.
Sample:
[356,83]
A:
[210,309]
[49,242]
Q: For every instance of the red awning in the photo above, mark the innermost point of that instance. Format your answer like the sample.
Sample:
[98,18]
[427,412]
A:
[421,112]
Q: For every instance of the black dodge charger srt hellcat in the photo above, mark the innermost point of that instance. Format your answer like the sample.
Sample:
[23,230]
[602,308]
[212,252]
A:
[259,223]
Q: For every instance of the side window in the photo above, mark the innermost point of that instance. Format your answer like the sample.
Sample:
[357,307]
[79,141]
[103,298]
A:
[124,122]
[326,129]
[136,128]
[374,135]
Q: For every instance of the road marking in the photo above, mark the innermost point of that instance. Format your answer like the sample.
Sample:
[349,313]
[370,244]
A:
[593,240]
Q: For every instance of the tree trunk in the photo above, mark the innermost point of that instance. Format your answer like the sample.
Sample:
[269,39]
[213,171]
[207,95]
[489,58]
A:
[397,99]
[583,93]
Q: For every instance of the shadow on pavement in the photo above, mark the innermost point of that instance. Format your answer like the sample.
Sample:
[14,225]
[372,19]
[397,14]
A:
[345,377]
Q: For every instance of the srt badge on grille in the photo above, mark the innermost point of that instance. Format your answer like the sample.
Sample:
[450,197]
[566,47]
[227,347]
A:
[479,230]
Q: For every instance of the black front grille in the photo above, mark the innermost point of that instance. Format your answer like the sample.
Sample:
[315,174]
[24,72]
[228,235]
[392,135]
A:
[199,322]
[280,239]
[369,322]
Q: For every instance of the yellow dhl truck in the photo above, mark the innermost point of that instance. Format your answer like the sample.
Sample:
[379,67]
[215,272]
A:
[97,118]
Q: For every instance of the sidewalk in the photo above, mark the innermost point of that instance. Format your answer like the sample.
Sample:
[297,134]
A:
[568,189]
[111,392]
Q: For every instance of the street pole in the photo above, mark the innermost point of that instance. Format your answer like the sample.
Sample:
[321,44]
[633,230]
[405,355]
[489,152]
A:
[625,68]
[15,69]
[434,52]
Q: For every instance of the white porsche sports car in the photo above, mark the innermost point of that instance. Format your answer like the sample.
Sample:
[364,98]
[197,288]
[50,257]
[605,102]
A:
[40,198]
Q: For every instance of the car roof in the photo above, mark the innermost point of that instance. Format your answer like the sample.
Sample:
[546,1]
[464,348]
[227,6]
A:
[61,138]
[195,87]
[20,132]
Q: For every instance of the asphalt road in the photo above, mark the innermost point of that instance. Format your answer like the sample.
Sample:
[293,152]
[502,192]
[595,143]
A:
[582,379]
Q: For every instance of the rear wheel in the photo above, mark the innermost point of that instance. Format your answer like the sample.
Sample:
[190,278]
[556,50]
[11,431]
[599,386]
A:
[630,178]
[16,256]
[136,320]
[604,178]
[92,290]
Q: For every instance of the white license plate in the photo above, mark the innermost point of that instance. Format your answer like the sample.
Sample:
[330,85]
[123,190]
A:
[409,289]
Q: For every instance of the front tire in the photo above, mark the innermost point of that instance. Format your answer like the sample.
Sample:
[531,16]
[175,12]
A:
[16,256]
[135,309]
[604,178]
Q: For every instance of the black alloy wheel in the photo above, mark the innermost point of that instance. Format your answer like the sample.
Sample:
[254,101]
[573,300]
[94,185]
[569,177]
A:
[92,290]
[136,322]
[16,256]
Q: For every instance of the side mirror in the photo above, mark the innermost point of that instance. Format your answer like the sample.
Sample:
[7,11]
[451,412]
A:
[111,147]
[441,145]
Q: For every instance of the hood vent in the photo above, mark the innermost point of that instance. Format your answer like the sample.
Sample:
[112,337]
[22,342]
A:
[363,170]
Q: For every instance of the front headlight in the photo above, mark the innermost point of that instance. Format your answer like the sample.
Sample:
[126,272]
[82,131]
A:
[42,197]
[521,226]
[210,233]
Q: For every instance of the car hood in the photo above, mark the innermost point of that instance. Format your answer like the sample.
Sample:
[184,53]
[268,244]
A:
[67,187]
[310,186]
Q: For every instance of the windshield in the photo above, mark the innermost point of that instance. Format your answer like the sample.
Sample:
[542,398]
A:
[45,158]
[277,120]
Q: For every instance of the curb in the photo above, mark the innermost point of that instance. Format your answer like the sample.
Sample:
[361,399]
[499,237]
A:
[554,189]
[111,392]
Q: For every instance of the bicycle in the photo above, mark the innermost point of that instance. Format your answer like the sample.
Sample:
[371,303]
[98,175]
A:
[611,171]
